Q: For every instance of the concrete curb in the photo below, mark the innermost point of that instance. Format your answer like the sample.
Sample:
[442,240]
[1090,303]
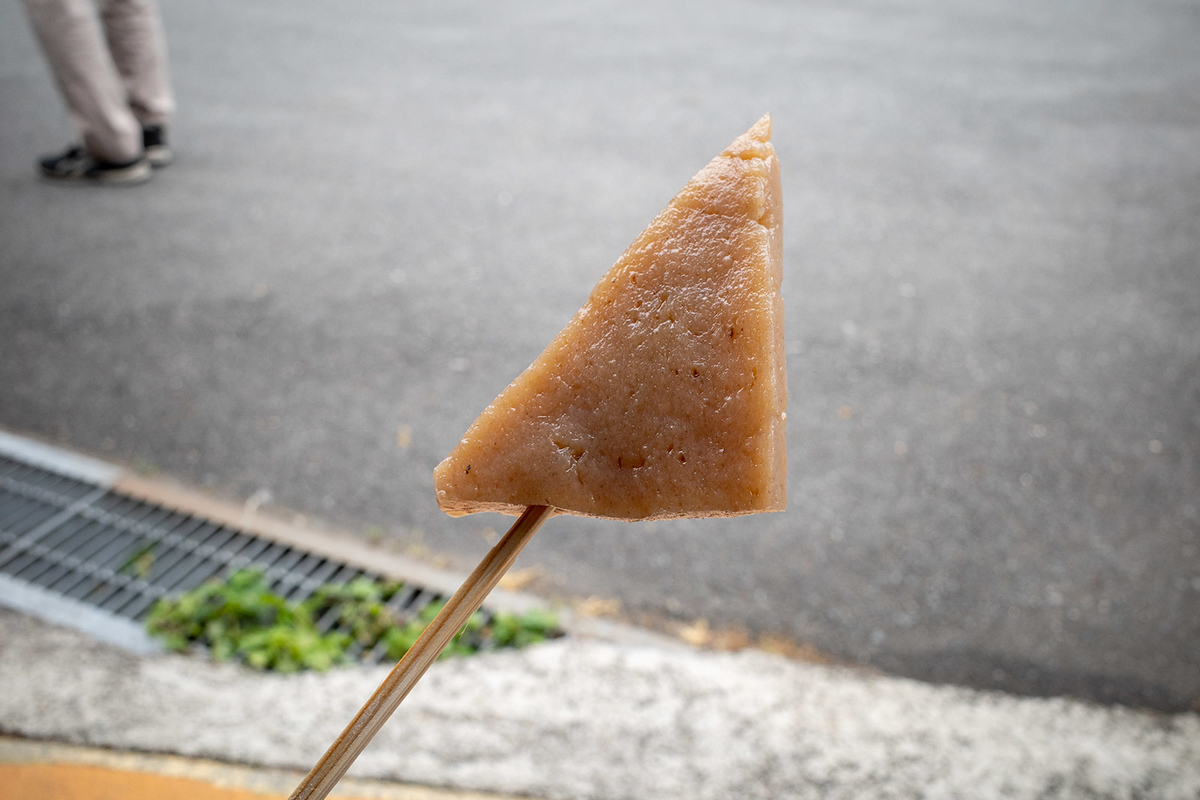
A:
[576,720]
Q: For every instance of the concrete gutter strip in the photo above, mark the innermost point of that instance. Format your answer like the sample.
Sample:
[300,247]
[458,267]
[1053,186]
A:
[55,459]
[96,622]
[597,720]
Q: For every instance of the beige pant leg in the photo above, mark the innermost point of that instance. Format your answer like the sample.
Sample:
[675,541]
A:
[138,47]
[70,36]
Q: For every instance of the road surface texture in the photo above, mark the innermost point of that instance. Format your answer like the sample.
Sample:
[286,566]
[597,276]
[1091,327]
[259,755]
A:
[379,215]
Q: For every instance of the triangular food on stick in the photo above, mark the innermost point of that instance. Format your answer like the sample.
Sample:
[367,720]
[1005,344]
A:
[665,395]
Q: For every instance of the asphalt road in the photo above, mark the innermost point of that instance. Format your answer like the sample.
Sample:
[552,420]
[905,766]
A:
[381,214]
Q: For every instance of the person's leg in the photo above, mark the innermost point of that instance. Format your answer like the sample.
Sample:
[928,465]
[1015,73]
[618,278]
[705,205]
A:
[70,36]
[138,46]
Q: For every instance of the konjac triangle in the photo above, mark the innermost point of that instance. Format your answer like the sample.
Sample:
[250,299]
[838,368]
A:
[665,395]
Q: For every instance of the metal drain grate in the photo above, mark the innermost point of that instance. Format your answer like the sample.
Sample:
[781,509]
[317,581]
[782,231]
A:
[73,550]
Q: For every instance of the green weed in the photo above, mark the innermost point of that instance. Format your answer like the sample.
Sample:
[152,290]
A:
[241,618]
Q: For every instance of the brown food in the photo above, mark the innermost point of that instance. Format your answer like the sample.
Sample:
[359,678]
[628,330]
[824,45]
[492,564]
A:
[665,395]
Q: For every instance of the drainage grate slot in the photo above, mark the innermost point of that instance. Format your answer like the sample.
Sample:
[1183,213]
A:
[101,556]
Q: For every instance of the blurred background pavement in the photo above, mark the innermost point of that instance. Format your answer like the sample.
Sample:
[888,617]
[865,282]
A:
[380,214]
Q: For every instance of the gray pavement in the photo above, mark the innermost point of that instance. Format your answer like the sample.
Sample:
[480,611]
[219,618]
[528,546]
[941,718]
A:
[603,721]
[380,216]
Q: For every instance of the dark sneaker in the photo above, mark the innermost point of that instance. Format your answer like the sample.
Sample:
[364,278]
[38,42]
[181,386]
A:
[76,165]
[154,143]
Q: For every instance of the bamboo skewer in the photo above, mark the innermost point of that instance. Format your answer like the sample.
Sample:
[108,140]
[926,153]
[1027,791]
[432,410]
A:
[400,681]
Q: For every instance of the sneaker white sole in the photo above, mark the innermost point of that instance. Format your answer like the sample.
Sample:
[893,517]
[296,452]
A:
[159,156]
[134,173]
